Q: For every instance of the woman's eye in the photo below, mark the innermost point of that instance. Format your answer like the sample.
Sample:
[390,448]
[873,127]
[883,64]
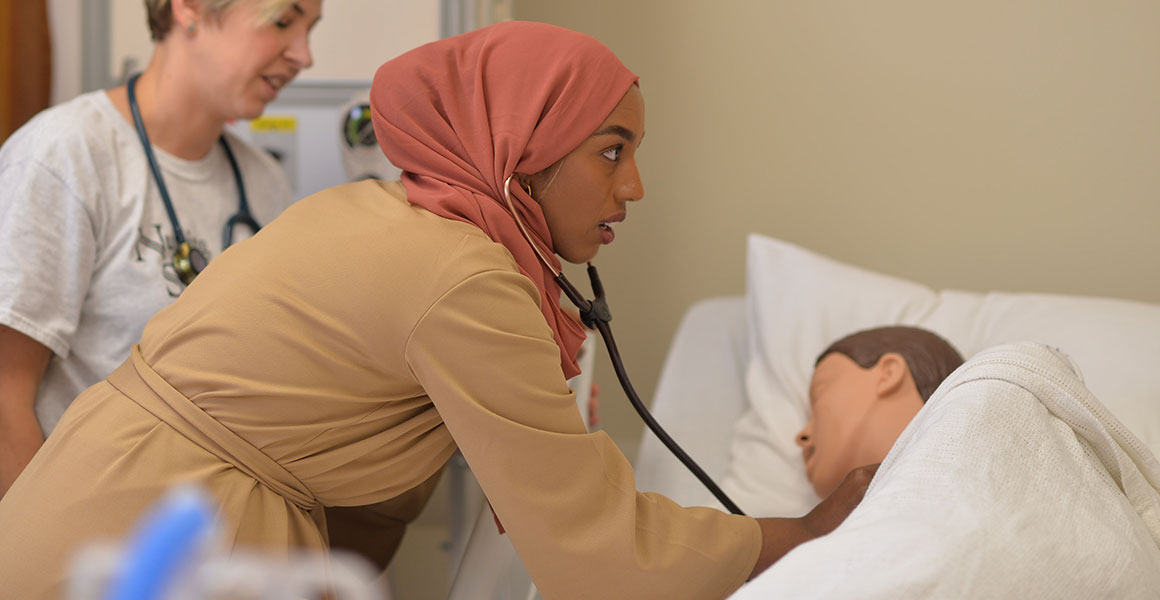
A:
[286,19]
[612,154]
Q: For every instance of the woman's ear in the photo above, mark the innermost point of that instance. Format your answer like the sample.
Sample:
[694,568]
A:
[186,13]
[538,183]
[891,373]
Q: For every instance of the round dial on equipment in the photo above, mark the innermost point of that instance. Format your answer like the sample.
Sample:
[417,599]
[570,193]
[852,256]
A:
[357,129]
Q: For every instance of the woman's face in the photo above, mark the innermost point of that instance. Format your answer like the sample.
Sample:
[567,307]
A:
[245,62]
[584,194]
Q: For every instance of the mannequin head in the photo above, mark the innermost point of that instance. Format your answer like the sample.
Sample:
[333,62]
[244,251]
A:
[865,389]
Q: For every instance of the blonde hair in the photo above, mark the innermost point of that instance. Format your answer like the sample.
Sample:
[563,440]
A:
[160,13]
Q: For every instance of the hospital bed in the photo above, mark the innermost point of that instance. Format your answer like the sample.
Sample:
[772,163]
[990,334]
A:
[733,386]
[733,392]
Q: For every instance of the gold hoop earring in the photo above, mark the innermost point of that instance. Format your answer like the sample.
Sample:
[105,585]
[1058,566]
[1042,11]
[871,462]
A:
[528,188]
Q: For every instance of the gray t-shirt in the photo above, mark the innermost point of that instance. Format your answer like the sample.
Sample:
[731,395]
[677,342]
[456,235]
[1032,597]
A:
[86,246]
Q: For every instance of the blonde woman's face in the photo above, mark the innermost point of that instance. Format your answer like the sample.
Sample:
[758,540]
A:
[587,193]
[243,62]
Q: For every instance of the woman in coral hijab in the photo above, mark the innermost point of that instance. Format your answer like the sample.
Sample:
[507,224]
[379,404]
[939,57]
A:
[316,378]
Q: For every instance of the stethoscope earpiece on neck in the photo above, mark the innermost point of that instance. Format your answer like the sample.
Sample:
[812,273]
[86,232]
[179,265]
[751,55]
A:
[187,260]
[597,315]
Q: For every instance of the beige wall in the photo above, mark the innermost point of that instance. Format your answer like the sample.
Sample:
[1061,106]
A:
[978,145]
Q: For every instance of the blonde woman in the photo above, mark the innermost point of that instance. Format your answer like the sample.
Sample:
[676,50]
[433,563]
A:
[89,249]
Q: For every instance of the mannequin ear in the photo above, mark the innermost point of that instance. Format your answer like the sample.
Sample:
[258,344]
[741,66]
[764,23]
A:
[890,372]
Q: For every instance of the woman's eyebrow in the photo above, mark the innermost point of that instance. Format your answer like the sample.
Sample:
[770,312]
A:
[623,132]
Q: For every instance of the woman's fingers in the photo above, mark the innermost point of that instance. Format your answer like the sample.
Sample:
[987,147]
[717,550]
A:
[830,513]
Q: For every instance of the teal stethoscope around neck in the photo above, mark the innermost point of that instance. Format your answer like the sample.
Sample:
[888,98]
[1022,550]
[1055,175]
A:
[187,260]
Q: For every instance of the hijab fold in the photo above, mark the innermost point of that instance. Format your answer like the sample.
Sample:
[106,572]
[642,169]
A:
[460,115]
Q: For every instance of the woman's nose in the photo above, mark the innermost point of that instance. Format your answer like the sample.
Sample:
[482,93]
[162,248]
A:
[632,188]
[299,51]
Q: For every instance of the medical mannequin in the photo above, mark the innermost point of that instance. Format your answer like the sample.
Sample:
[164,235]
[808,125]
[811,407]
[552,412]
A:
[865,389]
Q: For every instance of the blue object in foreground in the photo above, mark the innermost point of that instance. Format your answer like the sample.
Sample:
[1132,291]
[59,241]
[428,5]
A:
[167,539]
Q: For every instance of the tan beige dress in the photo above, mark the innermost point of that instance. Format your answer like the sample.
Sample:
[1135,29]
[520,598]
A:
[338,359]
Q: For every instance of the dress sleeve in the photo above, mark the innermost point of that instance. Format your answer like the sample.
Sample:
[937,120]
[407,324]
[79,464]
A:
[47,253]
[566,497]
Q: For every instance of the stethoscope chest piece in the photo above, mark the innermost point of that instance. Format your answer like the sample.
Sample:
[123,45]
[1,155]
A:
[188,261]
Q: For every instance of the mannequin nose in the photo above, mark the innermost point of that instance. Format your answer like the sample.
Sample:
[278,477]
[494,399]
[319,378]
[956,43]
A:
[803,436]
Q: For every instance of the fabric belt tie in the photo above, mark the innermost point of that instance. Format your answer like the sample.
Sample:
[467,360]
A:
[141,384]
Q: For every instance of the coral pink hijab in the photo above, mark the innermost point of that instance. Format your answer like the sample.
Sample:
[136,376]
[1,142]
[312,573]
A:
[460,115]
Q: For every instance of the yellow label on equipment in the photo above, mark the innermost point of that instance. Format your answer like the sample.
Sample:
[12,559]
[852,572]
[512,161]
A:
[274,123]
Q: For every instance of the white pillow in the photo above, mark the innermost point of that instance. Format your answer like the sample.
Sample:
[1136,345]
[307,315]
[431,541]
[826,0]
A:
[799,302]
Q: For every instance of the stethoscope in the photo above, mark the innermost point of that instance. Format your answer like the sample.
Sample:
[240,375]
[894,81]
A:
[187,260]
[596,315]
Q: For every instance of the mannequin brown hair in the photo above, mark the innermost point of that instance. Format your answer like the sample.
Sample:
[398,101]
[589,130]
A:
[929,357]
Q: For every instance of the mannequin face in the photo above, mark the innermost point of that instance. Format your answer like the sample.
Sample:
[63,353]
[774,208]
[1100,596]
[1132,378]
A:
[584,194]
[856,416]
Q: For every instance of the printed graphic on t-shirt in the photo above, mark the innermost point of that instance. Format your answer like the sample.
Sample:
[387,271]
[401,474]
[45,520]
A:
[151,240]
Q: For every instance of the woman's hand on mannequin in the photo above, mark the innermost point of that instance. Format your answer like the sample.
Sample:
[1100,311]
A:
[22,364]
[779,536]
[829,513]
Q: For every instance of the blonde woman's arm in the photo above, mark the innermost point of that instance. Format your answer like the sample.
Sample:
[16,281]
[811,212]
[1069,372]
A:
[22,365]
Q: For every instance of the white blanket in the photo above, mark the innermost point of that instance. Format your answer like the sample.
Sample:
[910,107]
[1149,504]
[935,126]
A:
[1012,482]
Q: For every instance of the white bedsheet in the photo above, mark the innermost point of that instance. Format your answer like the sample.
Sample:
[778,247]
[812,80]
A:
[1012,482]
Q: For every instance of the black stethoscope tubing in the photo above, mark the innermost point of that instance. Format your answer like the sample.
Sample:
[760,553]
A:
[242,217]
[596,314]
